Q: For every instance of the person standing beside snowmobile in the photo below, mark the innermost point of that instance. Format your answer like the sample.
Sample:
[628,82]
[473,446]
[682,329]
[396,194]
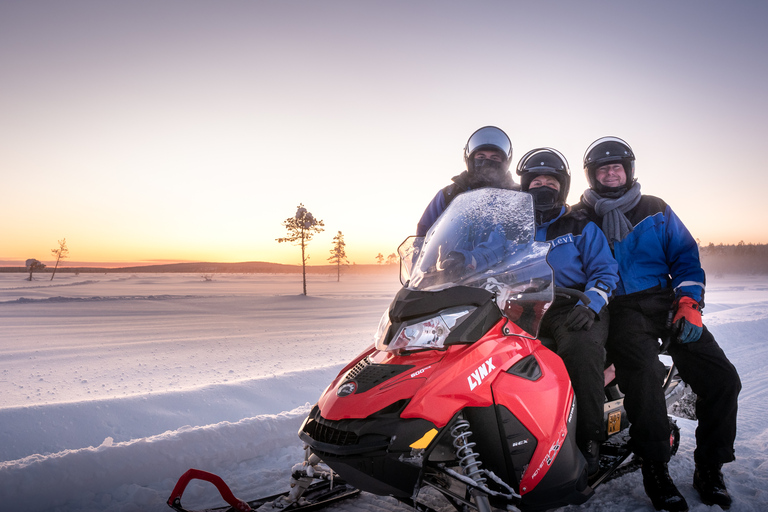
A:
[581,259]
[487,155]
[661,277]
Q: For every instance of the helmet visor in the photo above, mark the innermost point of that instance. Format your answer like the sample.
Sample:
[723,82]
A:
[606,150]
[543,159]
[489,137]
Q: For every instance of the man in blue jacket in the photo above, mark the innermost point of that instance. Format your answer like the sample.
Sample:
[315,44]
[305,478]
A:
[487,155]
[661,277]
[581,259]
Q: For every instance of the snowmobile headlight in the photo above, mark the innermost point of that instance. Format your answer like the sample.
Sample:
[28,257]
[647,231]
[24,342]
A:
[429,333]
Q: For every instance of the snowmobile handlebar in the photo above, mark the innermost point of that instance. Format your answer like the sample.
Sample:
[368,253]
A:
[572,293]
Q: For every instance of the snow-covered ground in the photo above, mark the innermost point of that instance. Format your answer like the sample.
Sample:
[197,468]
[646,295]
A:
[113,385]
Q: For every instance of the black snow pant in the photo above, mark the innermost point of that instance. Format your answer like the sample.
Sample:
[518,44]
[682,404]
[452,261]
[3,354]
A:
[638,321]
[583,353]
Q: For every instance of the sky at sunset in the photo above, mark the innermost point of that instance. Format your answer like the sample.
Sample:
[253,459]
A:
[185,130]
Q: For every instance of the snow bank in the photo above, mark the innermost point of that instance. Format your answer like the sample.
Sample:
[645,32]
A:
[141,472]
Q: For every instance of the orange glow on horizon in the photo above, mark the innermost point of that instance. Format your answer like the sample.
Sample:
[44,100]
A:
[286,255]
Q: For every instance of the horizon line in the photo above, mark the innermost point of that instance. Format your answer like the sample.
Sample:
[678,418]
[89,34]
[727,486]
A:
[154,263]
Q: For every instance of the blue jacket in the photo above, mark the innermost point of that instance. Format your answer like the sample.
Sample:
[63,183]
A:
[580,256]
[435,207]
[659,251]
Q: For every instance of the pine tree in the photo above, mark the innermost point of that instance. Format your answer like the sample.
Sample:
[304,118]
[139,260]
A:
[34,265]
[61,253]
[301,228]
[338,254]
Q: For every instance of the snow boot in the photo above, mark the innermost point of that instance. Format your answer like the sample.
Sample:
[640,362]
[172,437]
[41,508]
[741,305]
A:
[592,453]
[708,480]
[660,488]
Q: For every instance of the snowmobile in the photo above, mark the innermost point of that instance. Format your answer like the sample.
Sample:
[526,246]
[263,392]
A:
[458,399]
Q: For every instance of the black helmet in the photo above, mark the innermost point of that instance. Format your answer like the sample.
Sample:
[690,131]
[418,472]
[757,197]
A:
[606,150]
[488,137]
[545,161]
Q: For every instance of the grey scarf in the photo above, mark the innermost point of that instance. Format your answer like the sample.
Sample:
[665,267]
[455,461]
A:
[616,226]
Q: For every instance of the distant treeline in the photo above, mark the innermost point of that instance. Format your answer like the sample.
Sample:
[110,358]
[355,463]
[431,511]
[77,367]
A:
[716,259]
[734,259]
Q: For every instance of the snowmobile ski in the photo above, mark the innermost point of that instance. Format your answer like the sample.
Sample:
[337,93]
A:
[318,495]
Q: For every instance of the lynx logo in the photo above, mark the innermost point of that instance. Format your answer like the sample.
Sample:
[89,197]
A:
[480,374]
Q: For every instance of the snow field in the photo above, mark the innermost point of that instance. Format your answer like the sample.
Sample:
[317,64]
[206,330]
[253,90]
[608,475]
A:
[113,386]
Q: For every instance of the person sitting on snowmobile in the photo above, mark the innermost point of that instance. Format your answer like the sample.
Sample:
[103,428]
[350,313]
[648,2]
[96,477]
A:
[581,259]
[660,273]
[487,155]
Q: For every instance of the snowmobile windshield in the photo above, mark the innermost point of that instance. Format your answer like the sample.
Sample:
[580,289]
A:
[485,239]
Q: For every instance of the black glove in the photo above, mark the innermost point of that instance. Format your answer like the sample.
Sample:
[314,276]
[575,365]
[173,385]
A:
[453,264]
[580,318]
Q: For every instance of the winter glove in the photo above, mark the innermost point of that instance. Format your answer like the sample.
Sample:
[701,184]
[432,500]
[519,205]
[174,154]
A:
[580,318]
[453,264]
[687,320]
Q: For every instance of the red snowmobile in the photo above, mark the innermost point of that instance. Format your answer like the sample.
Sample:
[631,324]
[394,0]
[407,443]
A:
[457,398]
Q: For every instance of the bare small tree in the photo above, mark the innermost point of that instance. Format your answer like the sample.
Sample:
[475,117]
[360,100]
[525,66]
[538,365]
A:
[338,254]
[34,265]
[379,258]
[301,228]
[61,253]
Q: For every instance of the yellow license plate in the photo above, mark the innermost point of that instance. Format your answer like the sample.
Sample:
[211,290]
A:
[614,422]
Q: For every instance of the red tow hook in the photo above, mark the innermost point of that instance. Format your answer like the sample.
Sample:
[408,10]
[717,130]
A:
[175,500]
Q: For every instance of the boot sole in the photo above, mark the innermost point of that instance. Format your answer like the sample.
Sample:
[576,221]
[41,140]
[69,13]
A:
[708,502]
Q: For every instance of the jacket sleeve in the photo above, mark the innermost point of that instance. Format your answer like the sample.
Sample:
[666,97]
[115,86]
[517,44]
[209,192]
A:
[600,268]
[682,254]
[487,253]
[431,213]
